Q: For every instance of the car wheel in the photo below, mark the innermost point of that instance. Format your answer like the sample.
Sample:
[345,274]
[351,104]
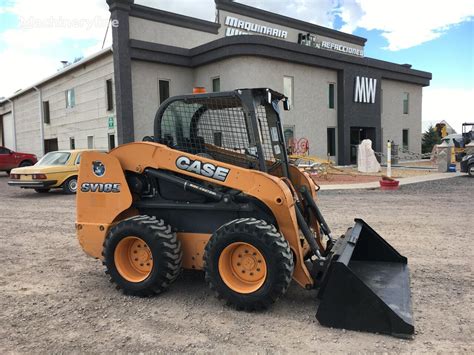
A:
[25,163]
[8,172]
[470,170]
[42,191]
[70,185]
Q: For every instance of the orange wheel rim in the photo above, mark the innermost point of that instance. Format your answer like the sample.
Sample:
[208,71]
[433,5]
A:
[133,259]
[242,267]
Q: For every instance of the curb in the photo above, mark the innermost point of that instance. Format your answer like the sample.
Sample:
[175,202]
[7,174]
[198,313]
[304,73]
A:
[403,181]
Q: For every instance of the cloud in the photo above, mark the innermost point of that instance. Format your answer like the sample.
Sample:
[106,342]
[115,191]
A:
[45,29]
[450,104]
[405,23]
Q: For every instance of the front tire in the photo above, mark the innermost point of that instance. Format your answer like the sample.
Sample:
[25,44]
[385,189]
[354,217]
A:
[70,185]
[142,255]
[248,263]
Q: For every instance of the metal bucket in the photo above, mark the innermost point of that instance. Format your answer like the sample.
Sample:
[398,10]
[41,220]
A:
[367,286]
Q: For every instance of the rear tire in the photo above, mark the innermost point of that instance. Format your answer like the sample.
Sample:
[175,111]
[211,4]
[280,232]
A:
[42,191]
[248,263]
[470,170]
[142,255]
[70,185]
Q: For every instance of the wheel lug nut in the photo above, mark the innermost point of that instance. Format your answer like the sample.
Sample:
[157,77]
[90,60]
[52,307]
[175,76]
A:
[238,264]
[246,251]
[258,269]
[251,274]
[240,255]
[243,271]
[136,259]
[254,254]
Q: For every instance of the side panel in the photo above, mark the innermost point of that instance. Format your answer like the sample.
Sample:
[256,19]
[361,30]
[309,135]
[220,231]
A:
[100,199]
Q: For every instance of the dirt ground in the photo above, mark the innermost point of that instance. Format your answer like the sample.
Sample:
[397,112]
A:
[53,298]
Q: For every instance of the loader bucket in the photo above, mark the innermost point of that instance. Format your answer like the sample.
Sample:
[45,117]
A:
[367,286]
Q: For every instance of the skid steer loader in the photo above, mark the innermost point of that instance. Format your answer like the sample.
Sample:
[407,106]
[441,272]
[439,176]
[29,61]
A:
[212,190]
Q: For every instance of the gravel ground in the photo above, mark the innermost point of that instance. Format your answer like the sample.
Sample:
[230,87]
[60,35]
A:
[56,299]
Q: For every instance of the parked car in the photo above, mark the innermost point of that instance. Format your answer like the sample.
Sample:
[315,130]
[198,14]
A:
[57,169]
[10,159]
[467,165]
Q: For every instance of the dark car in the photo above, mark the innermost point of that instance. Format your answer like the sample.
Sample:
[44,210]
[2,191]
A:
[10,159]
[467,165]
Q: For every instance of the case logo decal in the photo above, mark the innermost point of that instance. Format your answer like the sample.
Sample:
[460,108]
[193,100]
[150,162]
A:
[205,169]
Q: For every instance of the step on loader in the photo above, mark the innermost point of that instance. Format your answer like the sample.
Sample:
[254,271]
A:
[212,190]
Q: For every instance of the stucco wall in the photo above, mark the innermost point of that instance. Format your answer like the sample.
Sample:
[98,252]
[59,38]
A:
[27,123]
[145,77]
[156,32]
[89,117]
[310,113]
[394,121]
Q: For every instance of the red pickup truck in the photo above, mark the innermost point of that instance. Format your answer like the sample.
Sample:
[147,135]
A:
[10,159]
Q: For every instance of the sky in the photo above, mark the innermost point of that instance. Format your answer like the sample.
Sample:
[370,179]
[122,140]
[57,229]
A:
[433,36]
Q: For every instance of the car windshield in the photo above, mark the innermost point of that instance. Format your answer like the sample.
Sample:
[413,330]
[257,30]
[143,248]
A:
[54,158]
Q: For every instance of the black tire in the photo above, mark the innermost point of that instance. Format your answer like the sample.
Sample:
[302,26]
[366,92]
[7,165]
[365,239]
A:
[470,170]
[8,172]
[70,185]
[165,250]
[42,191]
[26,163]
[272,246]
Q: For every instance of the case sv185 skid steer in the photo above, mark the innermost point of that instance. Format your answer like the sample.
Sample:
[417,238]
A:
[212,190]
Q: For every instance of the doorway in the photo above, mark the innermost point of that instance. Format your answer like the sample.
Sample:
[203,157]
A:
[358,134]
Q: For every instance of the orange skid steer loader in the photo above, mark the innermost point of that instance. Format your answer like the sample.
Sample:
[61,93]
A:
[212,190]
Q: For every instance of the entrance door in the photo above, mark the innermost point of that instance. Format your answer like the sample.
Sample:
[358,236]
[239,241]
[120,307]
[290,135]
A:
[50,145]
[358,134]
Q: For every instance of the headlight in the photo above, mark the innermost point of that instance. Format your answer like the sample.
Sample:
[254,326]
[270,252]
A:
[466,157]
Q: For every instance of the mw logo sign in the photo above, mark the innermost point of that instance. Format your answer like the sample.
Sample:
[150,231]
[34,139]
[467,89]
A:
[365,89]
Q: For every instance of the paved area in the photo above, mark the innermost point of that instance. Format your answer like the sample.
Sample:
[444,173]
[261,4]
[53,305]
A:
[53,298]
[403,181]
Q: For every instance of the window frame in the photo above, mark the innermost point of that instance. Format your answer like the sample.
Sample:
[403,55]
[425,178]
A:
[159,90]
[46,113]
[292,90]
[406,98]
[109,95]
[334,145]
[91,136]
[218,78]
[70,100]
[407,145]
[333,101]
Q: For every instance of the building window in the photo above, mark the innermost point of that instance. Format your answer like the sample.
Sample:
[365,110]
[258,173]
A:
[406,101]
[331,142]
[110,95]
[46,115]
[164,87]
[216,84]
[111,141]
[70,98]
[90,142]
[288,89]
[405,139]
[332,87]
[72,143]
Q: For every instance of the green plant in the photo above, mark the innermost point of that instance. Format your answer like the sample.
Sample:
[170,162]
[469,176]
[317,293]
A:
[429,139]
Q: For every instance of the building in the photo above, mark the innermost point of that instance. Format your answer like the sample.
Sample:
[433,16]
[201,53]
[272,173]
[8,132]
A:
[338,95]
[73,108]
